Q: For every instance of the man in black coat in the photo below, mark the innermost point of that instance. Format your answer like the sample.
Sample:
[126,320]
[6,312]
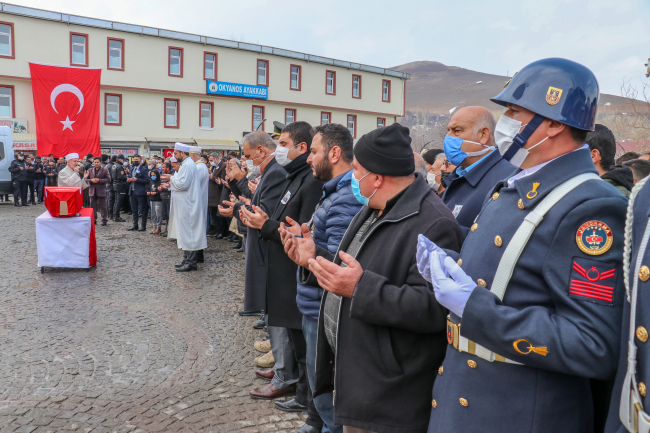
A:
[18,169]
[378,323]
[258,149]
[298,201]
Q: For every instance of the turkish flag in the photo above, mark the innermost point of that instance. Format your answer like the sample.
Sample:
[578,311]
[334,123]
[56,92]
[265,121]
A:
[66,104]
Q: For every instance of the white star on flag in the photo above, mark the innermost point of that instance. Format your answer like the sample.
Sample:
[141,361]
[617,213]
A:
[67,123]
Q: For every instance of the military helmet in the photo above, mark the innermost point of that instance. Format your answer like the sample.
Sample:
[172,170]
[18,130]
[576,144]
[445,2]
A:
[557,89]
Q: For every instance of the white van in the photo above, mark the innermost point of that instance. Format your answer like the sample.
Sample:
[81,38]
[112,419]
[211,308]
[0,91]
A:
[6,156]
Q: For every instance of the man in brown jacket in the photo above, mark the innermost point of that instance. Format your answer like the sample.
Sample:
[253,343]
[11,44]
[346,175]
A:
[97,178]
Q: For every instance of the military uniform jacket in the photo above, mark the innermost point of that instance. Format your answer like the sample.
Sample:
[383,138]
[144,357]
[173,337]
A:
[642,322]
[561,301]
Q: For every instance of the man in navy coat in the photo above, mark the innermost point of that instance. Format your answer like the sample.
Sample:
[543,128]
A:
[139,181]
[536,295]
[470,145]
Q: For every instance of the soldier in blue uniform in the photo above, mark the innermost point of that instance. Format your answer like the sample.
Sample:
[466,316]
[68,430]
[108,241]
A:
[628,410]
[536,294]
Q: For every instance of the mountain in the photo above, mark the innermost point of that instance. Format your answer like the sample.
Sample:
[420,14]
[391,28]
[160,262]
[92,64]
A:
[435,88]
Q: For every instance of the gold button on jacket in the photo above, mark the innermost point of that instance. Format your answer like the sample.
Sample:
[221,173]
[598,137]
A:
[644,273]
[434,404]
[481,282]
[497,241]
[520,204]
[472,364]
[440,370]
[474,227]
[464,402]
[642,389]
[642,334]
[495,196]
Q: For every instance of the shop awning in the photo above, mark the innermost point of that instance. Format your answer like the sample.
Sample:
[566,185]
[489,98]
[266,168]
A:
[217,144]
[24,137]
[169,140]
[121,138]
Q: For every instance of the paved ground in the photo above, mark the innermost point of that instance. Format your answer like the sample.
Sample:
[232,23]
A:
[129,346]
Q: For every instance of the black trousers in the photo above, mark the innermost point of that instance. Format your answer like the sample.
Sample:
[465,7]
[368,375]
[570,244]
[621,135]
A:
[215,221]
[190,258]
[120,198]
[30,185]
[140,208]
[20,191]
[226,226]
[303,392]
[167,203]
[110,202]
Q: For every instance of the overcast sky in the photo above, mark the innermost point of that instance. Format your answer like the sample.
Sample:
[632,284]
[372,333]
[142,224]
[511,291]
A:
[496,36]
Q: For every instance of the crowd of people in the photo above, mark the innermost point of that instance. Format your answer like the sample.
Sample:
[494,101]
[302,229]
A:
[380,274]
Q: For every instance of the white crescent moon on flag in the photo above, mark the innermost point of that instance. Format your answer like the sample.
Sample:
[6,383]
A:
[67,88]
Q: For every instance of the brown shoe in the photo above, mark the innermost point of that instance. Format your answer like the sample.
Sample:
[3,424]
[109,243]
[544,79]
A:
[265,373]
[157,230]
[269,392]
[153,231]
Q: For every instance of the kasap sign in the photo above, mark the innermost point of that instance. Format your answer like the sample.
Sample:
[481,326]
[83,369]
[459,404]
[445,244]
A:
[234,89]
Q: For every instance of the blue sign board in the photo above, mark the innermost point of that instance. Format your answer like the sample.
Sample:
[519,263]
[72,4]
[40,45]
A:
[235,89]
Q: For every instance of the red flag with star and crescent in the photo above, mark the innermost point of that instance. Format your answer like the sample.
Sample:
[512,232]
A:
[66,104]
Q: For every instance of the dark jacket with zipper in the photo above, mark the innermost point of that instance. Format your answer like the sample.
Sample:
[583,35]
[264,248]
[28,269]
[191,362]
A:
[392,332]
[297,201]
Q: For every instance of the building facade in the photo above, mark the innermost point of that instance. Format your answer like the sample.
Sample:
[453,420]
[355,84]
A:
[155,83]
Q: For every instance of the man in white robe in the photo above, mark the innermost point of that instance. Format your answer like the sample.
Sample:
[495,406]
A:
[203,176]
[187,209]
[69,176]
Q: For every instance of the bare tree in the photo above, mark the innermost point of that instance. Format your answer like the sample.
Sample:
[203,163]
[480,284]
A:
[634,124]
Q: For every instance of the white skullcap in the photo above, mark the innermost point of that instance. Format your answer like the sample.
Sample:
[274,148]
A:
[173,159]
[195,149]
[182,147]
[70,156]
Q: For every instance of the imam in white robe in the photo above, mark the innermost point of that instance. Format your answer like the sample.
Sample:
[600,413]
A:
[68,177]
[188,218]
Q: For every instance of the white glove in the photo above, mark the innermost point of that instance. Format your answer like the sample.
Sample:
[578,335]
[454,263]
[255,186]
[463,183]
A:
[452,294]
[423,256]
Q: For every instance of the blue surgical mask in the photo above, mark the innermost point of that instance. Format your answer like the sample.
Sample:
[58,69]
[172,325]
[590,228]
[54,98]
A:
[455,154]
[154,177]
[354,183]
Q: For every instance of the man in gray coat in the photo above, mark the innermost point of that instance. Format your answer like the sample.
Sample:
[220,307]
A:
[258,149]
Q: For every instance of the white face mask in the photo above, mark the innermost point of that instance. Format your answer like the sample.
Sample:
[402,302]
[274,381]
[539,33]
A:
[282,155]
[255,169]
[150,167]
[431,180]
[504,133]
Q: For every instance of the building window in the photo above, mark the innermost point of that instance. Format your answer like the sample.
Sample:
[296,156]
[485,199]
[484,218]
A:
[330,82]
[7,40]
[289,116]
[385,90]
[7,101]
[352,125]
[172,109]
[78,49]
[296,77]
[381,122]
[258,118]
[175,62]
[207,116]
[262,72]
[116,54]
[325,118]
[113,109]
[209,66]
[356,86]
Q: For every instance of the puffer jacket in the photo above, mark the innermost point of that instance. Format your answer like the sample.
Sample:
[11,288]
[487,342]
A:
[331,219]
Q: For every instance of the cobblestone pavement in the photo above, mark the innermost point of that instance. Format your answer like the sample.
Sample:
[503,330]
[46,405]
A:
[130,345]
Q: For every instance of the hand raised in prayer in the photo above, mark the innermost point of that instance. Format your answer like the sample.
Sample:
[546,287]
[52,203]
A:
[245,200]
[237,173]
[165,176]
[94,180]
[252,185]
[255,219]
[299,249]
[294,227]
[164,185]
[334,278]
[76,169]
[227,211]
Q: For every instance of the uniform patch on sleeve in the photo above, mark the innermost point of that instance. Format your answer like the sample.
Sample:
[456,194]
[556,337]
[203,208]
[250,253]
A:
[593,281]
[594,238]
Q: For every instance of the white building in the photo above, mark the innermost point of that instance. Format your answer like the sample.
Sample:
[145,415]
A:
[155,83]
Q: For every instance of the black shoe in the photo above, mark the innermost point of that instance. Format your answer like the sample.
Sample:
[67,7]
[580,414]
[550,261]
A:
[180,266]
[129,213]
[260,324]
[104,223]
[24,204]
[290,406]
[142,229]
[17,204]
[250,313]
[218,236]
[132,228]
[119,220]
[306,428]
[241,250]
[186,268]
[237,246]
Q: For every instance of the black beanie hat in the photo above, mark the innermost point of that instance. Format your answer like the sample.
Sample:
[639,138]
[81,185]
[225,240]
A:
[386,151]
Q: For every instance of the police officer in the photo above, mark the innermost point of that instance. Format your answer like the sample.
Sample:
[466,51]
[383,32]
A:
[18,169]
[536,294]
[628,410]
[120,187]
